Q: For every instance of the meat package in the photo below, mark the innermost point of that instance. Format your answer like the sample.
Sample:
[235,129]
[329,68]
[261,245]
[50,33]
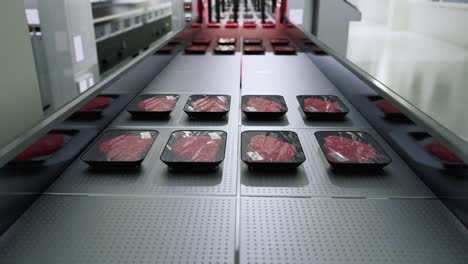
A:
[43,149]
[227,41]
[225,49]
[208,106]
[120,148]
[201,41]
[196,49]
[250,24]
[269,25]
[352,150]
[195,149]
[253,49]
[279,41]
[252,41]
[153,105]
[175,41]
[264,106]
[165,50]
[272,150]
[445,155]
[284,50]
[232,24]
[93,109]
[322,106]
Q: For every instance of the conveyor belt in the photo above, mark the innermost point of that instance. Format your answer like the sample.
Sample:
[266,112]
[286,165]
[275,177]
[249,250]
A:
[312,215]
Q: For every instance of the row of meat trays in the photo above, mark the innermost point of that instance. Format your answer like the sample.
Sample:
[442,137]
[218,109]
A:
[260,150]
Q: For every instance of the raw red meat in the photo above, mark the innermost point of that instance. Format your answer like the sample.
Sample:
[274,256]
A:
[211,104]
[343,149]
[97,103]
[319,105]
[270,149]
[263,105]
[157,104]
[47,145]
[125,147]
[268,25]
[441,152]
[250,24]
[232,25]
[197,148]
[387,107]
[214,25]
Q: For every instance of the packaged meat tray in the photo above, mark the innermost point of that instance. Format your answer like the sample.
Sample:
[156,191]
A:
[284,50]
[250,24]
[268,25]
[279,42]
[44,148]
[390,111]
[322,106]
[201,41]
[227,41]
[225,49]
[195,150]
[254,49]
[442,153]
[264,106]
[196,49]
[352,150]
[153,105]
[175,41]
[214,25]
[165,50]
[272,150]
[195,25]
[93,109]
[208,106]
[232,25]
[252,41]
[120,149]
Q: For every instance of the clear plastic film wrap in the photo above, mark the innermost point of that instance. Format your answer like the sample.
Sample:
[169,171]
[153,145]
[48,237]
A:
[208,103]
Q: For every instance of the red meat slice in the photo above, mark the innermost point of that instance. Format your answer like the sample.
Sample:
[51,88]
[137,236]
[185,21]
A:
[270,149]
[97,103]
[211,104]
[197,148]
[441,152]
[232,25]
[387,107]
[319,105]
[157,104]
[263,105]
[125,147]
[47,145]
[343,149]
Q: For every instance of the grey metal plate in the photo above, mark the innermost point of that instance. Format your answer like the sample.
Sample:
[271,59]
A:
[316,178]
[122,230]
[350,231]
[154,177]
[179,118]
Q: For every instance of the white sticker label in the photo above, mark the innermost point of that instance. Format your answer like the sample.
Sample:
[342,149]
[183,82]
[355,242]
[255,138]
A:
[190,108]
[251,109]
[170,97]
[311,109]
[145,135]
[214,135]
[254,156]
[339,157]
[222,98]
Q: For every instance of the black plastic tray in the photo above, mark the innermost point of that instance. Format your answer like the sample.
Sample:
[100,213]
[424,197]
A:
[254,49]
[343,162]
[227,41]
[176,161]
[284,50]
[40,160]
[225,49]
[280,42]
[313,113]
[255,158]
[254,114]
[195,113]
[94,157]
[93,114]
[175,41]
[165,50]
[252,41]
[137,112]
[195,49]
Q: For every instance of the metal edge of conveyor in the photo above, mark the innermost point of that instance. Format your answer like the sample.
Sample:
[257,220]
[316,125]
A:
[453,141]
[16,146]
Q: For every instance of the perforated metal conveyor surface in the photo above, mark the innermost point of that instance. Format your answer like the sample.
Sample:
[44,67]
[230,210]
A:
[312,215]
